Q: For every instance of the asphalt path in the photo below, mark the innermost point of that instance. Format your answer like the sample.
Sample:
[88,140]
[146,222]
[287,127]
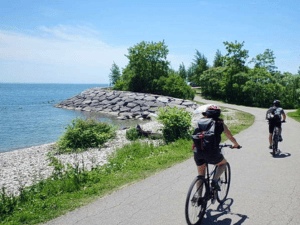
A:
[264,190]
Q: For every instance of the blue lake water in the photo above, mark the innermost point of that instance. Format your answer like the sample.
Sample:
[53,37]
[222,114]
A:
[27,115]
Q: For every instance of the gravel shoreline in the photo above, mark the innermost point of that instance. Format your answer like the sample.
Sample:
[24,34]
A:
[25,167]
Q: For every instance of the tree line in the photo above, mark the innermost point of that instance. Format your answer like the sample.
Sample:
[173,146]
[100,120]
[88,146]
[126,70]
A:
[229,79]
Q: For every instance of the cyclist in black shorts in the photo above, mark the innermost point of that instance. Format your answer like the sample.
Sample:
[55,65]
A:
[214,156]
[277,114]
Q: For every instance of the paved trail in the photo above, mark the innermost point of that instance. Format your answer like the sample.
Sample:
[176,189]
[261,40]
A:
[264,190]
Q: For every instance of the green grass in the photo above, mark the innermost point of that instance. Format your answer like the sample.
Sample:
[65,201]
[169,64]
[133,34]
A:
[244,120]
[295,115]
[66,191]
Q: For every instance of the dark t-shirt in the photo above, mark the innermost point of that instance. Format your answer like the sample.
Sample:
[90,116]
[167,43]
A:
[277,122]
[277,110]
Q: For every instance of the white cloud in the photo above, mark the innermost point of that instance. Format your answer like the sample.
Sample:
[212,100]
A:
[61,46]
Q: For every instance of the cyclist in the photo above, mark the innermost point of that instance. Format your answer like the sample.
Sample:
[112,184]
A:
[275,120]
[214,156]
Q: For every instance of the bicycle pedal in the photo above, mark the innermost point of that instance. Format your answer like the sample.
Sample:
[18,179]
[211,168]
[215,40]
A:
[213,200]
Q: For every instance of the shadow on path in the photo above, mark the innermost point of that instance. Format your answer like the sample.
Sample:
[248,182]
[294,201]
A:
[281,155]
[213,216]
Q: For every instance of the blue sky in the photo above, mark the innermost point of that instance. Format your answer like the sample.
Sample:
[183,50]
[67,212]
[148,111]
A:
[49,41]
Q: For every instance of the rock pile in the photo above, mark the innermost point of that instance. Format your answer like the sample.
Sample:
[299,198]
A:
[124,104]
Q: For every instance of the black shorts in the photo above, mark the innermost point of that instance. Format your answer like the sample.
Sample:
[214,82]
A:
[272,125]
[211,157]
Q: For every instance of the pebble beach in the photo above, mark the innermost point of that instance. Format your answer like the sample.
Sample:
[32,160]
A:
[25,167]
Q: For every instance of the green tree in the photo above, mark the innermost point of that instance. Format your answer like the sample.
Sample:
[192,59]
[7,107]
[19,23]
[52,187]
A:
[182,71]
[191,72]
[260,88]
[148,72]
[267,60]
[236,57]
[234,60]
[147,63]
[212,84]
[218,61]
[115,74]
[290,97]
[200,65]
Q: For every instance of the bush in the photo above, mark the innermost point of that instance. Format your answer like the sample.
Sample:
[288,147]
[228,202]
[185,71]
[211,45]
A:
[174,86]
[177,123]
[132,134]
[82,134]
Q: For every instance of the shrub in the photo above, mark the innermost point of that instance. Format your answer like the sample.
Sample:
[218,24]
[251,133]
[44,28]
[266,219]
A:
[174,86]
[82,134]
[132,134]
[177,123]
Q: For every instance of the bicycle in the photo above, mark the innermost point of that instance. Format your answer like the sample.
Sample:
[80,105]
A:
[200,192]
[275,139]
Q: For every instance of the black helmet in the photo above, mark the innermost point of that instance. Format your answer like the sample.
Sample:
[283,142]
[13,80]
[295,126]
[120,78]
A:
[276,103]
[212,111]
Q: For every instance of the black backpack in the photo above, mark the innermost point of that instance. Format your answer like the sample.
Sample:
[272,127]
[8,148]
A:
[273,114]
[204,136]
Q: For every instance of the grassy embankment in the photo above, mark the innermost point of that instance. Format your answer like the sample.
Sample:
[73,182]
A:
[295,115]
[66,191]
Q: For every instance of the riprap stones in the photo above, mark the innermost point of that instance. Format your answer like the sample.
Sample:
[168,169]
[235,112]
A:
[123,104]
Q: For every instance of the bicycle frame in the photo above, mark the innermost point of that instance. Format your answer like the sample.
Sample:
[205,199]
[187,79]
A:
[201,191]
[209,175]
[275,138]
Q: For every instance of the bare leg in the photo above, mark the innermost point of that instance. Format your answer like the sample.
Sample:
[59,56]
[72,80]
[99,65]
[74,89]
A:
[220,169]
[201,172]
[270,139]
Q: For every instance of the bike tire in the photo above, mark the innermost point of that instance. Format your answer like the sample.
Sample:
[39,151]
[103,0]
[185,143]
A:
[195,205]
[224,183]
[275,140]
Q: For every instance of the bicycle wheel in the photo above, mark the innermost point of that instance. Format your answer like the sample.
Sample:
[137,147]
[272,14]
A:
[196,201]
[275,140]
[224,183]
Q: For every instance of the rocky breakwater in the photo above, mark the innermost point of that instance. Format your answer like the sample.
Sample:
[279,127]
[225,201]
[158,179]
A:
[123,104]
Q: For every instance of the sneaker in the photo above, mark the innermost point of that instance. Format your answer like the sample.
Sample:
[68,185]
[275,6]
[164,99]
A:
[215,186]
[280,138]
